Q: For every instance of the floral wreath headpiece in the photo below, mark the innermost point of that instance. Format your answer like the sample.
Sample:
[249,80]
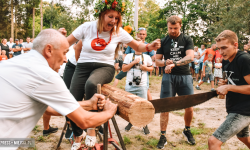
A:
[102,5]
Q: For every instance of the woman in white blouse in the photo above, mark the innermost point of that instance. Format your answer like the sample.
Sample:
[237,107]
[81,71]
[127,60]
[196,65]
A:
[95,57]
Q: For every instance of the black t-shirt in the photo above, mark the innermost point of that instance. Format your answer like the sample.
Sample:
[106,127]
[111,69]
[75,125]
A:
[175,49]
[6,48]
[240,66]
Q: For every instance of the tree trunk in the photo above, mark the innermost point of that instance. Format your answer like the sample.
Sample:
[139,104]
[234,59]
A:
[136,15]
[33,26]
[136,110]
[12,20]
[41,11]
[16,22]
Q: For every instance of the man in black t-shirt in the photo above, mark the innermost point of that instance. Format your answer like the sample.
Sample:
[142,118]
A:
[237,89]
[178,52]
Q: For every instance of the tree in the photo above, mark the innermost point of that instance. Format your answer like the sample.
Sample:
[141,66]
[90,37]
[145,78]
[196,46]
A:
[147,9]
[12,20]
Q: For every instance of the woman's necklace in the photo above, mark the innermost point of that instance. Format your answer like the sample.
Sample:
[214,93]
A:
[100,44]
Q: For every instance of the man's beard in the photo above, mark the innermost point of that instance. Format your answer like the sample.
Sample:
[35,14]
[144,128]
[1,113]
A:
[174,36]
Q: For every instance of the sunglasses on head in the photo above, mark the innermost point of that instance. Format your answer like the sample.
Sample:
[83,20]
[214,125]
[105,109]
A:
[142,29]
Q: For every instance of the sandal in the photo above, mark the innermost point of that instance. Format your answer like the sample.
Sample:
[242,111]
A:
[76,146]
[90,141]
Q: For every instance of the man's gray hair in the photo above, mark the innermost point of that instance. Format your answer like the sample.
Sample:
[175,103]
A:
[45,37]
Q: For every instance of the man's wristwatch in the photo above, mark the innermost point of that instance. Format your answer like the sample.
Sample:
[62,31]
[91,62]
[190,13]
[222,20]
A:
[165,63]
[174,62]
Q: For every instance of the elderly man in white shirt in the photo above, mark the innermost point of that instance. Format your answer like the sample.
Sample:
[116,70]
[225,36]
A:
[30,83]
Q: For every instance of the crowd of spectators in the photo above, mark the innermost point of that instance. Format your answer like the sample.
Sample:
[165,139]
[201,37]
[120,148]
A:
[203,70]
[14,48]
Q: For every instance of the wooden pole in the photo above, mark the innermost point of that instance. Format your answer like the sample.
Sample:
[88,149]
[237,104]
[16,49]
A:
[12,21]
[33,26]
[136,15]
[136,110]
[41,12]
[15,22]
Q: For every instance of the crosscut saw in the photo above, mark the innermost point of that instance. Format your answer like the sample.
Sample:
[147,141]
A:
[181,102]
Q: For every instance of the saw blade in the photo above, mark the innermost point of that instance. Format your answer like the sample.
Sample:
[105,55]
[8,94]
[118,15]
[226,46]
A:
[180,102]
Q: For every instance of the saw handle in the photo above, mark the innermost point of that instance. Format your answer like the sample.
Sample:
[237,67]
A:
[99,91]
[224,78]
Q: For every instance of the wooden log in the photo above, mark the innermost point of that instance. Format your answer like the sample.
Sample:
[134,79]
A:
[134,109]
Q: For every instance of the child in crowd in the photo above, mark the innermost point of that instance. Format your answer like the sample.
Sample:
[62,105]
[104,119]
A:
[4,56]
[118,58]
[196,62]
[217,70]
[10,55]
[207,72]
[136,65]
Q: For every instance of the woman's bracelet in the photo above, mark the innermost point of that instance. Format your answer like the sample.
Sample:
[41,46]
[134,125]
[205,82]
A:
[147,48]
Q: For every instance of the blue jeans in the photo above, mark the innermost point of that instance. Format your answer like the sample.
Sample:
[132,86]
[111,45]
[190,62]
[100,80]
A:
[140,91]
[201,65]
[235,124]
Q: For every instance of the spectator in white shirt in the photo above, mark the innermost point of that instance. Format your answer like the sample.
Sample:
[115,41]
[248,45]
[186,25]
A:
[28,45]
[32,84]
[10,43]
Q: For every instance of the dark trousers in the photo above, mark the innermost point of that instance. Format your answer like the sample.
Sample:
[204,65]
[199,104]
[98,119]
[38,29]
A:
[67,75]
[161,70]
[85,80]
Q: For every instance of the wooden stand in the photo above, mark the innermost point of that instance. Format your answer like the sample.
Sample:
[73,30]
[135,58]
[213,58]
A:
[104,144]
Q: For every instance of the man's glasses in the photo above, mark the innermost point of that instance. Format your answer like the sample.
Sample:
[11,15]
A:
[142,29]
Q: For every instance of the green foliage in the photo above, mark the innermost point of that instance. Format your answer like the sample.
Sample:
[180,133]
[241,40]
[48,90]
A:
[152,142]
[126,140]
[201,125]
[203,20]
[41,138]
[36,128]
[128,16]
[102,5]
[140,138]
[178,113]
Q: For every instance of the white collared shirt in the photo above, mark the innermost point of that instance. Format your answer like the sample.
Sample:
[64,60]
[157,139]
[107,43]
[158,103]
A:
[10,44]
[27,86]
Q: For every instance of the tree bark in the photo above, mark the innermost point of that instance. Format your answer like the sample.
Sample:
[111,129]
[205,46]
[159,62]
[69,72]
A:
[41,11]
[136,110]
[16,30]
[12,20]
[33,26]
